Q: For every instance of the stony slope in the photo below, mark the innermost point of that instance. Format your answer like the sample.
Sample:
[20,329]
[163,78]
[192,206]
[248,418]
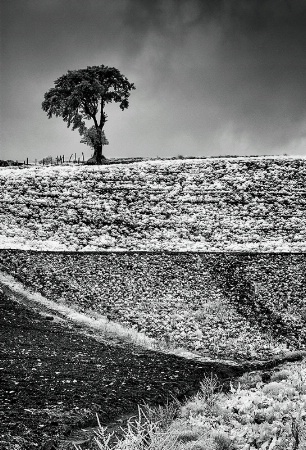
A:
[236,306]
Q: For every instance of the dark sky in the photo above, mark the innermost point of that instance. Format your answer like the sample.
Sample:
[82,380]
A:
[211,76]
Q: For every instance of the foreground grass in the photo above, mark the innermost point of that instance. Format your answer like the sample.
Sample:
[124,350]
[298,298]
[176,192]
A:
[261,411]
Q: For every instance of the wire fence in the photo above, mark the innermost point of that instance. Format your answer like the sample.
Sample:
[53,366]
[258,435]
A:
[63,160]
[49,161]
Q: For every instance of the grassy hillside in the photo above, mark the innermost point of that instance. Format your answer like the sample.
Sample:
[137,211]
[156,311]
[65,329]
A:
[213,204]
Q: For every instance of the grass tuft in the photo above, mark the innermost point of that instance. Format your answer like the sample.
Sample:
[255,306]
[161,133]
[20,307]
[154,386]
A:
[223,442]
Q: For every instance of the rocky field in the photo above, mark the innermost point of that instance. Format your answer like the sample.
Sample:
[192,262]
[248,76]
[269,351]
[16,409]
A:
[223,204]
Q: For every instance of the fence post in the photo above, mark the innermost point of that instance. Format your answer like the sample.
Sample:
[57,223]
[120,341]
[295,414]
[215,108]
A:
[83,156]
[27,161]
[63,158]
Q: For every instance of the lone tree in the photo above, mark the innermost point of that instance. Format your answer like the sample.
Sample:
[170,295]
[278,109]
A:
[82,95]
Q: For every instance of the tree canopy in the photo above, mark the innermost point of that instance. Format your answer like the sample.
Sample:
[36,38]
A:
[81,95]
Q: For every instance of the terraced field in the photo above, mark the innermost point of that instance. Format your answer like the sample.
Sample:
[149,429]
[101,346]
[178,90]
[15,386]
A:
[133,283]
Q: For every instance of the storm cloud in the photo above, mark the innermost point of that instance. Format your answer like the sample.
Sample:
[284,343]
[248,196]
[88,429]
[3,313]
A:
[211,76]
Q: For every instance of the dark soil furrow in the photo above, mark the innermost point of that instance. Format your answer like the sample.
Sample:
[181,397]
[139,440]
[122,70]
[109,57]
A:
[54,379]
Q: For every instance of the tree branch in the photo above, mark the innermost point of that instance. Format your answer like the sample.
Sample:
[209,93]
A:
[102,114]
[95,122]
[93,116]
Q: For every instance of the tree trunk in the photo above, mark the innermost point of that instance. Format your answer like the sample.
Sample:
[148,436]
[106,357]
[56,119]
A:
[97,143]
[97,157]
